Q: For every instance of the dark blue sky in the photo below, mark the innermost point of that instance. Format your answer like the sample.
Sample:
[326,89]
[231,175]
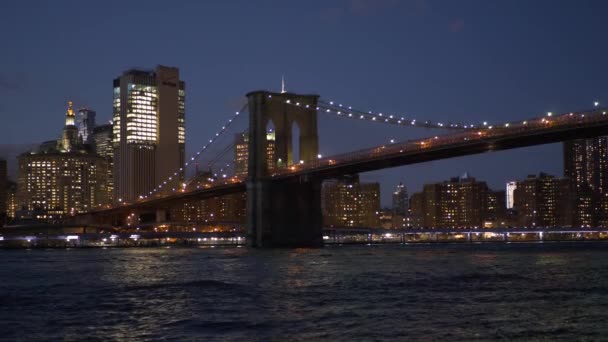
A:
[440,60]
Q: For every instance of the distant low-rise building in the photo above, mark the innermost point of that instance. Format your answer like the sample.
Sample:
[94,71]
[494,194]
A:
[346,202]
[543,201]
[461,202]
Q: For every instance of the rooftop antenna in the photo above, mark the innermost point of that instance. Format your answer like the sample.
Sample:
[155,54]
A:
[283,91]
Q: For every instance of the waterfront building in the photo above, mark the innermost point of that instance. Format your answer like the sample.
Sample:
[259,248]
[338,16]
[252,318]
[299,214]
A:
[241,153]
[543,201]
[347,202]
[67,180]
[461,202]
[586,167]
[227,209]
[85,124]
[11,200]
[101,139]
[148,132]
[510,190]
[400,200]
[417,212]
[3,191]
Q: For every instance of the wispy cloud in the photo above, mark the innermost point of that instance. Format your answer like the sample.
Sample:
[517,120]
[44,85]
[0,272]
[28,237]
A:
[360,8]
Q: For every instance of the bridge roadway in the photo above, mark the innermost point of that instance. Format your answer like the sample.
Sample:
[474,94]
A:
[537,131]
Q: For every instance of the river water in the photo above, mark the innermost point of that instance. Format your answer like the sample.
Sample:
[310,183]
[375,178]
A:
[555,291]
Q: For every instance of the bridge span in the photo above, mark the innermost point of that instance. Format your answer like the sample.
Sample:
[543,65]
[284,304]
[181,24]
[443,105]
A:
[283,205]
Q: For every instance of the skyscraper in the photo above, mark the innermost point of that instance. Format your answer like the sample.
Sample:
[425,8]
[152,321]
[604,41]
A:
[400,200]
[68,179]
[85,123]
[148,133]
[586,167]
[102,142]
[69,138]
[511,186]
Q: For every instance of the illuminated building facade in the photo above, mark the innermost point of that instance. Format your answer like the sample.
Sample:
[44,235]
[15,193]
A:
[586,167]
[346,202]
[227,209]
[510,191]
[85,124]
[11,200]
[67,180]
[400,200]
[102,141]
[59,184]
[148,132]
[241,153]
[3,191]
[543,201]
[461,202]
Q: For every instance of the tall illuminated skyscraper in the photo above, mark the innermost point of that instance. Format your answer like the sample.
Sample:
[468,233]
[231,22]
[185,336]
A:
[586,167]
[148,133]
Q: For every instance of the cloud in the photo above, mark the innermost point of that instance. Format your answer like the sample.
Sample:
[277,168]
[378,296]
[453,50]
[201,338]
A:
[456,25]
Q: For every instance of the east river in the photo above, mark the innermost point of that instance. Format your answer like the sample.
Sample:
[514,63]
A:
[550,291]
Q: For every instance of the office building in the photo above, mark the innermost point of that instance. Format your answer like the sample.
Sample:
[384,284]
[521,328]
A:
[101,139]
[586,167]
[346,202]
[148,132]
[85,124]
[543,201]
[241,153]
[67,180]
[510,190]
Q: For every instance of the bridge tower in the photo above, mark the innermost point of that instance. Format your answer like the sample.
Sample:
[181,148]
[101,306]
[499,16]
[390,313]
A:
[282,213]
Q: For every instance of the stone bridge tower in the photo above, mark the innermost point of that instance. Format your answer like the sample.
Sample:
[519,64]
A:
[282,212]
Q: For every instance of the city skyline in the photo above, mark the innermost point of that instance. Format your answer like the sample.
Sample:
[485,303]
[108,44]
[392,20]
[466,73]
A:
[427,69]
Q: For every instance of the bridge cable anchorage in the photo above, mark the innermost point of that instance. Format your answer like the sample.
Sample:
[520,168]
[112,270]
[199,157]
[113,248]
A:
[195,156]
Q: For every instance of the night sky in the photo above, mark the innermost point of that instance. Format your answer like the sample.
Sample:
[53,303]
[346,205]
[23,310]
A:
[434,60]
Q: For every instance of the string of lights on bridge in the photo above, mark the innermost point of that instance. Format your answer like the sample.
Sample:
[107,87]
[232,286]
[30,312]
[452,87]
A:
[196,155]
[343,111]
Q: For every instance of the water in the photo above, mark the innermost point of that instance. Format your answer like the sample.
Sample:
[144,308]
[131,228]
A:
[526,292]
